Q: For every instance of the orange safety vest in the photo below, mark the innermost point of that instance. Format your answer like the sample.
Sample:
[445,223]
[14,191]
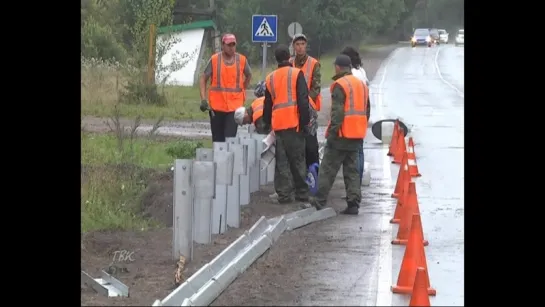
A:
[307,69]
[227,92]
[281,83]
[257,108]
[354,124]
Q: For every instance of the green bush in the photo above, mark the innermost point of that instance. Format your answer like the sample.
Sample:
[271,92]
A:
[184,149]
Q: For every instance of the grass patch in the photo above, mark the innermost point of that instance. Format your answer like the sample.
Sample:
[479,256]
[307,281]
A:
[115,172]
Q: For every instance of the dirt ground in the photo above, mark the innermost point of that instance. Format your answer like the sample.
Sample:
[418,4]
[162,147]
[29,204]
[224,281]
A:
[149,272]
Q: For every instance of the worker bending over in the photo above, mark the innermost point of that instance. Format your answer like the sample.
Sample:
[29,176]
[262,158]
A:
[344,136]
[285,110]
[230,73]
[254,113]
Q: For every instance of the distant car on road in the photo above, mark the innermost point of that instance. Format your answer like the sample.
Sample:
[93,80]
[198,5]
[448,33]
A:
[434,34]
[459,40]
[421,37]
[443,36]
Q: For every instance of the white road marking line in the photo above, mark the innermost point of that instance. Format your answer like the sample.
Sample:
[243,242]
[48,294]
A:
[384,274]
[460,93]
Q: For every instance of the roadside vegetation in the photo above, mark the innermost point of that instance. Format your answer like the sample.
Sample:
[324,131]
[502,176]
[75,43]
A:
[116,169]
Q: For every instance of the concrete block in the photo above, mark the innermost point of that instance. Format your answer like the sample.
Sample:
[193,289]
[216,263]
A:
[197,280]
[319,215]
[300,213]
[258,229]
[276,228]
[226,276]
[207,294]
[229,253]
[175,297]
[248,256]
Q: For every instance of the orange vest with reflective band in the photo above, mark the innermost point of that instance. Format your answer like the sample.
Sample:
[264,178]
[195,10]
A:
[227,92]
[307,69]
[354,125]
[257,108]
[281,83]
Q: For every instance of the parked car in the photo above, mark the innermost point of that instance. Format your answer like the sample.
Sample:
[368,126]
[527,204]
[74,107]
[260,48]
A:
[434,34]
[443,36]
[421,37]
[459,40]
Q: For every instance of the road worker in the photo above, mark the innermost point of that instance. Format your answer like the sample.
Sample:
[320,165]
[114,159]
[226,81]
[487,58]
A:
[285,110]
[254,113]
[230,75]
[344,136]
[359,72]
[311,69]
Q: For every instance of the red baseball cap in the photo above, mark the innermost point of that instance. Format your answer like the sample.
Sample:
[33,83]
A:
[228,38]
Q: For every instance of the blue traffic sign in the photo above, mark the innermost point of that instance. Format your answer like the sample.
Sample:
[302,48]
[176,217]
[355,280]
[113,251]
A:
[264,28]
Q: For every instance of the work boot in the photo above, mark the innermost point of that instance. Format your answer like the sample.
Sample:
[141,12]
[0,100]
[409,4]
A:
[284,201]
[274,195]
[316,204]
[351,210]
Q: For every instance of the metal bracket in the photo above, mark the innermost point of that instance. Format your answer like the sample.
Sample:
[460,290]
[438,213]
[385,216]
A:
[107,285]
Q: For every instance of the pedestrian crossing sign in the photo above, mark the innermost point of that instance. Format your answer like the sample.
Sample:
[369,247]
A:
[264,28]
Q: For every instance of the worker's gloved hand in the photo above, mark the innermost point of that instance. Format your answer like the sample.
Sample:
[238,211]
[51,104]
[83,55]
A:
[204,105]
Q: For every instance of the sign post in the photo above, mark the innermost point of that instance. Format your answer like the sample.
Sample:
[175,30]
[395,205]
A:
[264,30]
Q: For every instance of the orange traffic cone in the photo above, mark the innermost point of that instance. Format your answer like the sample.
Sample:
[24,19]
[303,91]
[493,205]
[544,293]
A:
[401,148]
[409,207]
[393,142]
[414,257]
[403,189]
[402,176]
[413,168]
[420,295]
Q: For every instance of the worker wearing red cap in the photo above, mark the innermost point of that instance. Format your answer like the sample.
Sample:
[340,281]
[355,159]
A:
[230,75]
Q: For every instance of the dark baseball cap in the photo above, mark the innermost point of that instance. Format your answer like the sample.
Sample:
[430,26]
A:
[299,36]
[343,61]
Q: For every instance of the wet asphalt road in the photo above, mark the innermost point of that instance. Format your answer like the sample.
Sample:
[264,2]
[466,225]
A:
[425,86]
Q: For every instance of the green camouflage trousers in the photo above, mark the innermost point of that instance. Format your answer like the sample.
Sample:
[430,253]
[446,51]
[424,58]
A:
[331,163]
[290,166]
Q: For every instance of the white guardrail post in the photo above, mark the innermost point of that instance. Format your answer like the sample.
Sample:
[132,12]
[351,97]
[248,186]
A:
[233,191]
[204,186]
[245,181]
[254,168]
[261,174]
[182,224]
[224,177]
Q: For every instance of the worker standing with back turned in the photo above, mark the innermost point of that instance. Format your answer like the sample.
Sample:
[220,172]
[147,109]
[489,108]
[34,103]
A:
[230,73]
[344,135]
[286,111]
[311,69]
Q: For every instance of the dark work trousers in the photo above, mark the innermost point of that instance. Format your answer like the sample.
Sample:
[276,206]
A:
[311,150]
[223,126]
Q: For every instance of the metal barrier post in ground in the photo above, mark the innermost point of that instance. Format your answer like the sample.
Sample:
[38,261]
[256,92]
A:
[182,224]
[204,185]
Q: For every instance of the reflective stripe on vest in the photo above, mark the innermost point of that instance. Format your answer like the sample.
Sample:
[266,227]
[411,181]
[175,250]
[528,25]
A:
[283,104]
[285,114]
[307,72]
[238,86]
[351,110]
[257,108]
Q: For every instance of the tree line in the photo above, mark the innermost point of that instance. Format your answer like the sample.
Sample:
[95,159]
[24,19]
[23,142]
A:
[118,29]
